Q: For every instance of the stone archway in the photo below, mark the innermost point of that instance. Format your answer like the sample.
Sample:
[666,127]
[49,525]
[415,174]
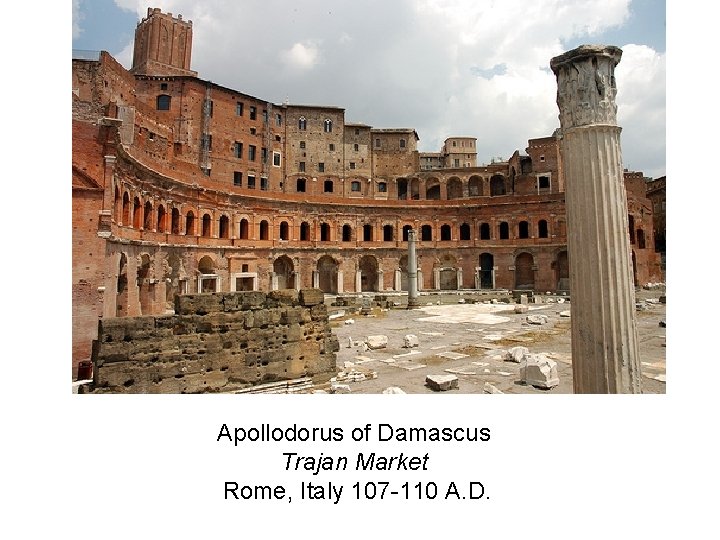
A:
[327,268]
[524,272]
[487,271]
[368,267]
[446,273]
[121,302]
[146,287]
[562,272]
[284,273]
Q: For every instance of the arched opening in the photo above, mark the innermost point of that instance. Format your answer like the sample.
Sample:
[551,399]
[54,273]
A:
[206,225]
[304,231]
[388,233]
[542,229]
[475,186]
[406,232]
[432,190]
[368,273]
[264,230]
[175,221]
[524,273]
[117,206]
[484,231]
[224,227]
[161,217]
[327,274]
[324,232]
[172,287]
[244,229]
[121,301]
[454,188]
[208,275]
[523,229]
[504,230]
[445,233]
[346,233]
[562,272]
[137,213]
[414,189]
[497,185]
[447,273]
[403,273]
[300,185]
[426,233]
[148,217]
[162,102]
[402,189]
[126,209]
[328,186]
[284,271]
[190,224]
[367,233]
[355,186]
[487,271]
[284,230]
[464,231]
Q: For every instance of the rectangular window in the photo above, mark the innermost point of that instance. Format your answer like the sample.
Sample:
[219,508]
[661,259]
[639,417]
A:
[357,131]
[456,162]
[278,119]
[237,178]
[356,147]
[321,167]
[377,143]
[302,166]
[253,112]
[264,154]
[239,108]
[251,152]
[264,184]
[402,143]
[238,149]
[251,181]
[265,116]
[352,165]
[253,131]
[332,147]
[276,159]
[163,86]
[302,144]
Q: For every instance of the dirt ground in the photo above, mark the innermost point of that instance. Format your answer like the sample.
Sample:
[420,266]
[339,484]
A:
[468,339]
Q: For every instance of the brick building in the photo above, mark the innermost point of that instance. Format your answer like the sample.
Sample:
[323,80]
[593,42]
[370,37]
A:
[183,185]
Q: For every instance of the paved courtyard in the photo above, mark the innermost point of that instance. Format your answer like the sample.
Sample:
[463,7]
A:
[469,341]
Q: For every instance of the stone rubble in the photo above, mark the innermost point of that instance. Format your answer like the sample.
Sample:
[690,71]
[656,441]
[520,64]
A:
[441,383]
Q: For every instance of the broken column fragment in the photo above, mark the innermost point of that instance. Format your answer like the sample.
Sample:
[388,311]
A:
[539,371]
[441,383]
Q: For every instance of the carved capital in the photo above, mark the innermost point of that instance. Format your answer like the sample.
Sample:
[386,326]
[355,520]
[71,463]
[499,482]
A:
[586,85]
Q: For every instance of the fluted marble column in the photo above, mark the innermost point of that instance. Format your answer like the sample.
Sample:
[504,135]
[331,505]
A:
[605,353]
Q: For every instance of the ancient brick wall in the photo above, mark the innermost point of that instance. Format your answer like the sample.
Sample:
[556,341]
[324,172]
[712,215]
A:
[217,343]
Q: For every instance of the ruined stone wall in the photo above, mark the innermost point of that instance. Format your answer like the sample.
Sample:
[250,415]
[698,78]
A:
[217,343]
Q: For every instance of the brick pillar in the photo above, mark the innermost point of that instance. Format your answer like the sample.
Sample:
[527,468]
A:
[604,337]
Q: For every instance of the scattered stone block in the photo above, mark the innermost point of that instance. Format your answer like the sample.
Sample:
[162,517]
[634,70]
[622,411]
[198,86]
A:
[350,321]
[340,388]
[537,319]
[560,300]
[523,299]
[491,389]
[410,341]
[539,371]
[521,308]
[441,383]
[378,341]
[516,354]
[311,297]
[565,313]
[393,390]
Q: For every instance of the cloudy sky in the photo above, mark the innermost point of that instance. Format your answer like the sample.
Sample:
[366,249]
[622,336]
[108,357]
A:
[477,68]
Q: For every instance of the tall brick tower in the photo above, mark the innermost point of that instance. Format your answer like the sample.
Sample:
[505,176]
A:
[163,44]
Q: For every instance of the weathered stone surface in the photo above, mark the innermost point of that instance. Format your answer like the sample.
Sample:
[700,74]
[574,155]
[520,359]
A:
[378,341]
[539,371]
[491,389]
[565,313]
[411,340]
[537,319]
[521,308]
[516,354]
[441,383]
[311,297]
[393,390]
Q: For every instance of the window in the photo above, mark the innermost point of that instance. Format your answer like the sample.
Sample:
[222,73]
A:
[278,119]
[300,185]
[544,182]
[523,229]
[321,167]
[332,147]
[445,233]
[251,181]
[357,131]
[251,152]
[264,230]
[402,143]
[302,123]
[253,131]
[264,154]
[151,135]
[367,233]
[464,231]
[264,183]
[388,233]
[324,232]
[352,165]
[163,102]
[302,145]
[484,231]
[253,112]
[356,147]
[327,126]
[426,233]
[304,231]
[454,143]
[239,108]
[238,149]
[276,159]
[542,229]
[302,166]
[504,231]
[346,233]
[328,186]
[265,116]
[163,86]
[237,178]
[382,187]
[355,186]
[542,159]
[377,143]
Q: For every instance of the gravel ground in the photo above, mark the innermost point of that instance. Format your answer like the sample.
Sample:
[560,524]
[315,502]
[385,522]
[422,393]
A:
[481,332]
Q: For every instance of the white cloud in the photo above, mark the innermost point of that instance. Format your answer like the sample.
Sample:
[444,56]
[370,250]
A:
[301,55]
[77,18]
